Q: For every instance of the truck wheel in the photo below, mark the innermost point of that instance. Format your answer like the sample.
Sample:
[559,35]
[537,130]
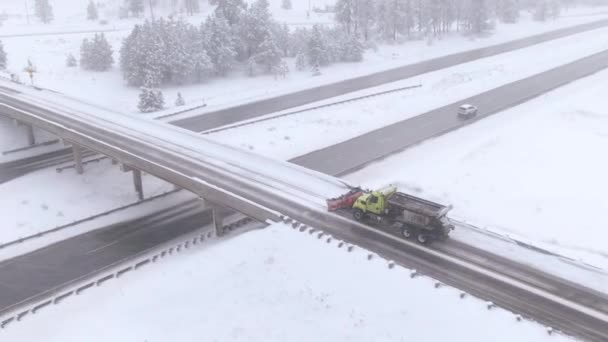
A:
[423,239]
[358,214]
[406,233]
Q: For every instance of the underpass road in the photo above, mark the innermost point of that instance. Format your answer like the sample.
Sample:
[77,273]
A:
[40,273]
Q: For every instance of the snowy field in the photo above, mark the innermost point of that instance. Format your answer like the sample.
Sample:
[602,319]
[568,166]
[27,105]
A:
[107,89]
[310,291]
[536,171]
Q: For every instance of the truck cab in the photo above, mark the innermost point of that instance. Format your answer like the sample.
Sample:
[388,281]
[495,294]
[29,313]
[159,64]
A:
[374,204]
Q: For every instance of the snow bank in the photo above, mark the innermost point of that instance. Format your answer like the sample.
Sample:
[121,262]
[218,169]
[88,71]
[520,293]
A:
[273,285]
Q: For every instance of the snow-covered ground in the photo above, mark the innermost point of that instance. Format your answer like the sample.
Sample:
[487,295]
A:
[108,89]
[536,171]
[273,285]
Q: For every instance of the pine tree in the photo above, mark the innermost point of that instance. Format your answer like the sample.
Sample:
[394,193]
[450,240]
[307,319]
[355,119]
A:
[282,38]
[346,13]
[317,50]
[280,70]
[352,49]
[136,7]
[255,25]
[365,17]
[268,55]
[301,62]
[92,13]
[286,4]
[508,10]
[150,100]
[2,57]
[192,6]
[180,100]
[231,10]
[316,71]
[71,61]
[96,54]
[44,11]
[541,10]
[221,48]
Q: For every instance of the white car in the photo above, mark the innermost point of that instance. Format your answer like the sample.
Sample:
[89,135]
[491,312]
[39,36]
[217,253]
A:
[467,111]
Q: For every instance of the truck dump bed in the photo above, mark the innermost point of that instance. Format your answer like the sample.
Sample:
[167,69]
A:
[418,205]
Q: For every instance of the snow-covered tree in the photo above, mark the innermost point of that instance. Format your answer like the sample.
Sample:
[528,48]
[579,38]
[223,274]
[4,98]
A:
[192,6]
[281,37]
[231,10]
[92,13]
[96,54]
[222,44]
[71,61]
[476,16]
[507,10]
[365,17]
[2,57]
[346,14]
[268,55]
[44,11]
[316,70]
[255,26]
[352,49]
[317,49]
[180,100]
[301,62]
[286,4]
[136,7]
[280,70]
[150,100]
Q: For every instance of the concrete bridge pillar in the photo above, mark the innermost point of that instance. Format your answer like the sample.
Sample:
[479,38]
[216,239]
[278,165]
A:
[31,138]
[77,150]
[139,187]
[218,220]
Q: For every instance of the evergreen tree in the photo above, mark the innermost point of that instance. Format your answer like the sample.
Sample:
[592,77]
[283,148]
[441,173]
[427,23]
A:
[96,54]
[365,17]
[255,26]
[180,100]
[346,13]
[268,55]
[286,4]
[231,10]
[317,50]
[541,10]
[352,49]
[282,38]
[70,61]
[280,70]
[301,63]
[136,7]
[192,6]
[92,13]
[476,16]
[221,48]
[44,11]
[2,57]
[150,100]
[508,10]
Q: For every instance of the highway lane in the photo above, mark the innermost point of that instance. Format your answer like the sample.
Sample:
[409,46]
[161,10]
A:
[48,270]
[200,121]
[355,153]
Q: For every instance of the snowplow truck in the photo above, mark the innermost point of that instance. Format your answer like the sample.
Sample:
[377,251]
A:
[414,217]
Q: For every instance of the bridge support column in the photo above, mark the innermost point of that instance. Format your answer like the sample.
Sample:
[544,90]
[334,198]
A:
[31,138]
[139,188]
[78,158]
[218,221]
